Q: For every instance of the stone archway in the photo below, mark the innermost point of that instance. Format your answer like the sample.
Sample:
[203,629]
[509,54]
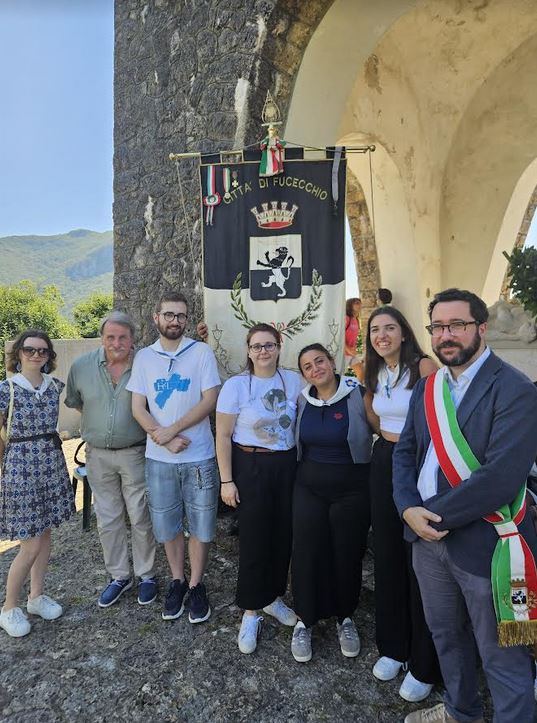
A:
[363,244]
[401,73]
[188,77]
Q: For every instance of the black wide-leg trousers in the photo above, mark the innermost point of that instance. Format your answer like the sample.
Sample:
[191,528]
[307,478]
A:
[401,630]
[330,526]
[265,482]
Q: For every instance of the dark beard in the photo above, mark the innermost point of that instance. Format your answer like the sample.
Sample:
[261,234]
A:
[463,356]
[171,334]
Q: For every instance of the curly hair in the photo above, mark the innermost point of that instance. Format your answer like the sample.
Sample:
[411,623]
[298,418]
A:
[12,357]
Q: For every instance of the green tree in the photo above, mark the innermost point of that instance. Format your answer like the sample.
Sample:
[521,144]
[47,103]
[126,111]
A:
[523,273]
[89,313]
[23,306]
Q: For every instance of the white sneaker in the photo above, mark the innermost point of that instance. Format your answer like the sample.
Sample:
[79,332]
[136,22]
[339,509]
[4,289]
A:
[15,622]
[387,668]
[248,633]
[349,640]
[301,643]
[283,614]
[45,607]
[414,690]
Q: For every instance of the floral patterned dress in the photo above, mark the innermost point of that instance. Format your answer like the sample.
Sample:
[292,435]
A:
[35,490]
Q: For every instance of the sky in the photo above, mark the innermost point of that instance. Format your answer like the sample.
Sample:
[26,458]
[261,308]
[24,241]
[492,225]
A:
[56,118]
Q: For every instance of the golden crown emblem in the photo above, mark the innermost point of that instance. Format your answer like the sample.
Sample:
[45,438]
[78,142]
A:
[275,216]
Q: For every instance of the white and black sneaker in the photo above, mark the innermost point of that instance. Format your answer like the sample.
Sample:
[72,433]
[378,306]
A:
[174,602]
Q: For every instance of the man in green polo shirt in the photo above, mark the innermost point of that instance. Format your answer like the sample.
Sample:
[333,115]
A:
[115,458]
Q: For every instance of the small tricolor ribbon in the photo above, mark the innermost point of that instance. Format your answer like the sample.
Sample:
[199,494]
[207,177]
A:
[212,198]
[226,179]
[513,569]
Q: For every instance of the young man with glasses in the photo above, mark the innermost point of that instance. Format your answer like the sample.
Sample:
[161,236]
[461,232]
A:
[459,480]
[174,385]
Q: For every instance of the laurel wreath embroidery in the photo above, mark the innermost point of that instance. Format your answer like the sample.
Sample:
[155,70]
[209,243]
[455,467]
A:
[292,327]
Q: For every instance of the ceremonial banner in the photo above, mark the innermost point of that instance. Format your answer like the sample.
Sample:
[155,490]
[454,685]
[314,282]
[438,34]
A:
[273,251]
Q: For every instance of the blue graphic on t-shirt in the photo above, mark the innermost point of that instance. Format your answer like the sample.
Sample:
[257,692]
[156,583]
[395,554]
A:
[165,387]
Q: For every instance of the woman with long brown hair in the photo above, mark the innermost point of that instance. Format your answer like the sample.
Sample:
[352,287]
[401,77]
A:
[35,491]
[255,447]
[394,363]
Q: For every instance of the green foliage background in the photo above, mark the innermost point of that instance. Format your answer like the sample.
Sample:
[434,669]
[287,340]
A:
[89,313]
[24,306]
[523,273]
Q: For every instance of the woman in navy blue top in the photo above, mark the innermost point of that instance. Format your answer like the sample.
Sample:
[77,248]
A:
[331,502]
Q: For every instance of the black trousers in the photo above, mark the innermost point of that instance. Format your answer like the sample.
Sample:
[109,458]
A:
[401,630]
[330,526]
[265,483]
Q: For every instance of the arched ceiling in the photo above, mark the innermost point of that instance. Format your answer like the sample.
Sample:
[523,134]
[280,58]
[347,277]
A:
[446,87]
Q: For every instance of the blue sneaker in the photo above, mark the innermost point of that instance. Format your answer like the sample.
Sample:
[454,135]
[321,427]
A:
[113,591]
[147,590]
[198,604]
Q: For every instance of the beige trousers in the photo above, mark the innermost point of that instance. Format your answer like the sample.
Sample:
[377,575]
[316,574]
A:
[117,481]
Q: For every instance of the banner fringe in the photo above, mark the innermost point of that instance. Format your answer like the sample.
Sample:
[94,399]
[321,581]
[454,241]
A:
[517,632]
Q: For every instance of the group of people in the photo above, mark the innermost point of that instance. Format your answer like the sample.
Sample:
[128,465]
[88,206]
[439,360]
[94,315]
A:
[296,456]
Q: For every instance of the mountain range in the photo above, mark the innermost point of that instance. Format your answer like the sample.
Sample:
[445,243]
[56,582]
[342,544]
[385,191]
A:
[78,262]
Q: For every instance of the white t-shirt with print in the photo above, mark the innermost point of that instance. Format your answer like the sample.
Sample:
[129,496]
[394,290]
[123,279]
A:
[266,408]
[173,382]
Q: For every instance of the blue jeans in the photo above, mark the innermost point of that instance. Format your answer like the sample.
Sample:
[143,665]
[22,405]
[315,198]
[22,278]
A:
[175,490]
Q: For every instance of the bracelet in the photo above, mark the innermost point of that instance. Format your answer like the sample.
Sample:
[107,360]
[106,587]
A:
[229,482]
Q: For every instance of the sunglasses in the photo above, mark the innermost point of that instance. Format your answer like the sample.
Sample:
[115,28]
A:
[32,351]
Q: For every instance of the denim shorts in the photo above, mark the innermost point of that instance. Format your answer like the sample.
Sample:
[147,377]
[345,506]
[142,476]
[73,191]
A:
[175,490]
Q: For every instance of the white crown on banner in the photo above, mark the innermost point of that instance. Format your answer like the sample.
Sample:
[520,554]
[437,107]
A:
[277,216]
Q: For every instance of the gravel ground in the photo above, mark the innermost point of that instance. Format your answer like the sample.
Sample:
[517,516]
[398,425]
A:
[126,664]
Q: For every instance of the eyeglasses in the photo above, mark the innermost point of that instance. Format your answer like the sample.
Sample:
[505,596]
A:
[454,328]
[32,351]
[170,316]
[269,346]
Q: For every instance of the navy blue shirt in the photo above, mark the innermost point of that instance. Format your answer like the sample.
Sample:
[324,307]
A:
[323,433]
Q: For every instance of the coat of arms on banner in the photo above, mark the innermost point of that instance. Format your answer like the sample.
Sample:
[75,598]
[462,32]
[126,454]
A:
[275,267]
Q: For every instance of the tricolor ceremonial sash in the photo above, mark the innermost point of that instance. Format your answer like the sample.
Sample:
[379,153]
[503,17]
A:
[513,570]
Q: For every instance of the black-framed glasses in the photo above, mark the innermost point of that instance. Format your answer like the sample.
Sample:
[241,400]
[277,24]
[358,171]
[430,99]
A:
[269,346]
[170,316]
[32,351]
[454,327]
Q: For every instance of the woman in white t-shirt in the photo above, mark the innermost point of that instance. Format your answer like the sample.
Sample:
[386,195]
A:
[394,363]
[255,447]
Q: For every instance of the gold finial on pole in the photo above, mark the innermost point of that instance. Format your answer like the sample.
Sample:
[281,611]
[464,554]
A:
[271,113]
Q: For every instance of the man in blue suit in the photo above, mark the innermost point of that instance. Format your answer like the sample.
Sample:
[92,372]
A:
[496,411]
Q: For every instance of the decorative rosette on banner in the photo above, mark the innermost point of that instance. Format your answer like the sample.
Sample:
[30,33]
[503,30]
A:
[513,569]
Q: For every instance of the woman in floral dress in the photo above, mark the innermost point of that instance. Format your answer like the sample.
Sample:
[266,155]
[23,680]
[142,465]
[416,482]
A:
[35,491]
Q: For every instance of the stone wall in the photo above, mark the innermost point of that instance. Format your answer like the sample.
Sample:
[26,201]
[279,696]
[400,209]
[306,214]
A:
[189,76]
